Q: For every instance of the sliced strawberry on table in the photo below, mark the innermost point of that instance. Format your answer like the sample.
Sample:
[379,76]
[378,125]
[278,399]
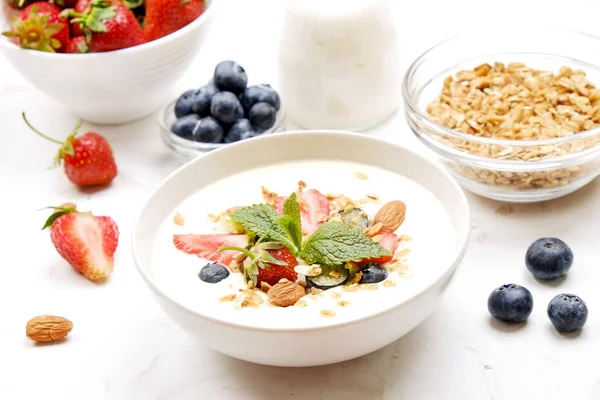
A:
[167,16]
[389,241]
[107,25]
[85,241]
[314,206]
[207,246]
[40,26]
[88,159]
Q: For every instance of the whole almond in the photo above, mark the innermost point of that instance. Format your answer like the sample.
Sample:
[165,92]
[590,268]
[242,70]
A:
[48,328]
[391,215]
[285,294]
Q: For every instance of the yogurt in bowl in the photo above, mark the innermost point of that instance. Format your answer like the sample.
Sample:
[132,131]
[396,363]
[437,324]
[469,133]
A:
[327,180]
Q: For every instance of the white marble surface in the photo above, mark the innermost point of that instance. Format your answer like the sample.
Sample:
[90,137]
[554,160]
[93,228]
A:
[124,347]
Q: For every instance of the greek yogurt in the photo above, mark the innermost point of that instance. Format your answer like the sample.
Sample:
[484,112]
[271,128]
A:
[428,242]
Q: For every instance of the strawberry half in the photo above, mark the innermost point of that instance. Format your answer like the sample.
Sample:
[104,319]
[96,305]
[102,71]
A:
[314,206]
[389,241]
[207,246]
[87,242]
[88,159]
[167,16]
[39,26]
[272,273]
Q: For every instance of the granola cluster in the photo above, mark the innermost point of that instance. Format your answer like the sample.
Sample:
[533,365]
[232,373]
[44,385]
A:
[516,102]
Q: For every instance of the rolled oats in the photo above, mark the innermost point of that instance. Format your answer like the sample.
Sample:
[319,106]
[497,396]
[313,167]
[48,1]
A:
[361,176]
[343,303]
[327,314]
[178,219]
[516,102]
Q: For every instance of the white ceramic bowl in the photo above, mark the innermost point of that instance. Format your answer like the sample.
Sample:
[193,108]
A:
[281,343]
[112,87]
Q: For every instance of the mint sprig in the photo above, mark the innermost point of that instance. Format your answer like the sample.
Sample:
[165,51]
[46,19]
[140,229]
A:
[336,243]
[263,221]
[290,221]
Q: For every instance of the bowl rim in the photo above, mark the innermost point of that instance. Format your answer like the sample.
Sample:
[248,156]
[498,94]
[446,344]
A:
[412,108]
[450,270]
[148,46]
[201,147]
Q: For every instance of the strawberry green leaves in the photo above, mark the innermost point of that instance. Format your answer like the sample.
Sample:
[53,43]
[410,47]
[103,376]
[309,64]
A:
[335,243]
[263,221]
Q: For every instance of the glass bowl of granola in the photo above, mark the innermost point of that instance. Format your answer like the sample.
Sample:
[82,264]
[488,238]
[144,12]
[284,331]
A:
[515,116]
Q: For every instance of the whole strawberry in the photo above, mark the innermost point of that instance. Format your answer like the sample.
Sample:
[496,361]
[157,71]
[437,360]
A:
[88,159]
[167,16]
[107,25]
[40,26]
[86,242]
[77,45]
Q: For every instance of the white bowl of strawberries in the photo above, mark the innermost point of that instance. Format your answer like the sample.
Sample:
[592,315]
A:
[107,61]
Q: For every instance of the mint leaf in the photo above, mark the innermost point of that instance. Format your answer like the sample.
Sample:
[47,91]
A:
[262,220]
[335,243]
[291,220]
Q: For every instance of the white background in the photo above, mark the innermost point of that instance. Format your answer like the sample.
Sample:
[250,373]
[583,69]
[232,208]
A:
[124,347]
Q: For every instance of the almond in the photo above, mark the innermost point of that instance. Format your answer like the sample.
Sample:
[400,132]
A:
[391,215]
[48,328]
[285,294]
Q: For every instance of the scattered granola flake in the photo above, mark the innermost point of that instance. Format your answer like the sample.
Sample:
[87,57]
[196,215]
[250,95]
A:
[229,297]
[327,314]
[335,273]
[212,218]
[336,295]
[315,296]
[234,266]
[361,176]
[285,294]
[264,286]
[315,291]
[343,303]
[268,196]
[363,201]
[517,102]
[301,303]
[369,286]
[377,238]
[373,230]
[351,288]
[301,185]
[505,209]
[402,253]
[284,280]
[404,238]
[389,283]
[333,196]
[250,285]
[308,270]
[178,219]
[356,278]
[373,196]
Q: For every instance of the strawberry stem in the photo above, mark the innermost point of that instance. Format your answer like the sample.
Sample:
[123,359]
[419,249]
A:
[235,248]
[38,132]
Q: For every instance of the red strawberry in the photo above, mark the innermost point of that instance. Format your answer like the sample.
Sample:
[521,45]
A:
[313,207]
[77,45]
[206,246]
[88,159]
[81,7]
[167,16]
[65,3]
[85,241]
[389,241]
[107,25]
[39,26]
[271,273]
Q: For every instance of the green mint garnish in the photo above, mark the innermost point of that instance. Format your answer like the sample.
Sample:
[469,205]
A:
[335,243]
[263,221]
[291,220]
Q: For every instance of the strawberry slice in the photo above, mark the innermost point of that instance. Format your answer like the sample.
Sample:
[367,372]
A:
[206,246]
[271,273]
[313,207]
[389,241]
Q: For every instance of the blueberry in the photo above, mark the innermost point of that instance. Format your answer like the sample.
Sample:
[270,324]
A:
[327,280]
[510,303]
[567,312]
[202,98]
[260,94]
[373,273]
[548,258]
[262,116]
[230,76]
[226,107]
[183,105]
[240,130]
[208,130]
[213,273]
[184,126]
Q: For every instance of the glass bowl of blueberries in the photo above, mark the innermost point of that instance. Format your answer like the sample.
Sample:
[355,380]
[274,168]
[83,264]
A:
[225,110]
